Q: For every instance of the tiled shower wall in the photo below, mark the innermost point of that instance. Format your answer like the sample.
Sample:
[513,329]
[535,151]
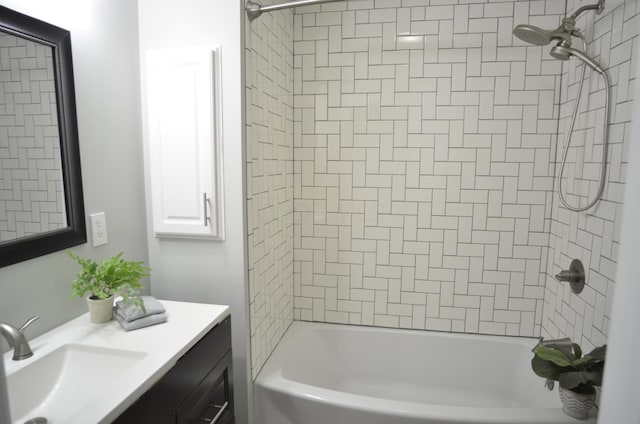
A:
[269,99]
[592,236]
[424,140]
[31,193]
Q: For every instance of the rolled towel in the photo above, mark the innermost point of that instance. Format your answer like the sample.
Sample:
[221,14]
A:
[141,322]
[130,312]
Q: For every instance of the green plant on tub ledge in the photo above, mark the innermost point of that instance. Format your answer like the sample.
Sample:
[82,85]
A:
[578,375]
[103,281]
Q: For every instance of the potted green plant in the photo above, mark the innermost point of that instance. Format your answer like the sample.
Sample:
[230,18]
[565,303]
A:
[577,375]
[105,280]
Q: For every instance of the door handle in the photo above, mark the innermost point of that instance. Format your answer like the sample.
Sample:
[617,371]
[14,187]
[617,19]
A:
[205,201]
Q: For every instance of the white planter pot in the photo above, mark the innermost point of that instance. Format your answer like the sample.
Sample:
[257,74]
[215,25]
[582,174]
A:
[576,405]
[100,310]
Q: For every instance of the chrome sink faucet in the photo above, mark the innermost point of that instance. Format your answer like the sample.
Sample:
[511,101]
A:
[15,338]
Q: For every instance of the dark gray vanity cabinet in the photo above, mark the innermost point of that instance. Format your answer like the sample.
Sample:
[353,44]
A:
[198,389]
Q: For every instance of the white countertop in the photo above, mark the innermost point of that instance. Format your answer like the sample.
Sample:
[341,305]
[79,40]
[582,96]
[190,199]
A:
[162,345]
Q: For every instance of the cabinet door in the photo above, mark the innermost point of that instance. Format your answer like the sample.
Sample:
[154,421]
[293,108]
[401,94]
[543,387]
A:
[202,377]
[183,141]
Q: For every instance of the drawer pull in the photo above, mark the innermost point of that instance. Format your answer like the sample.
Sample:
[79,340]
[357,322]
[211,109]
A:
[214,420]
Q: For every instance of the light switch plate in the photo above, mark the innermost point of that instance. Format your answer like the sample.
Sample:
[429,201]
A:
[98,229]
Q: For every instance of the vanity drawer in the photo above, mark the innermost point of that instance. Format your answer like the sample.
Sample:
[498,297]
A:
[212,401]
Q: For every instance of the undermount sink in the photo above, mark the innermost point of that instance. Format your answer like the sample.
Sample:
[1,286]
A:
[64,380]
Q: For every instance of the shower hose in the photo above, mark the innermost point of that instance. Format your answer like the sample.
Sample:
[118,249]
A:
[605,142]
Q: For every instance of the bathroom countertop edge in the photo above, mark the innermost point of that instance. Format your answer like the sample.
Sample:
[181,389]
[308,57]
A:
[162,345]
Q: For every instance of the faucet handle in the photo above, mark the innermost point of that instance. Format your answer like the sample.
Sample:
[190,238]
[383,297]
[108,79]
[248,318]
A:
[16,339]
[574,276]
[28,323]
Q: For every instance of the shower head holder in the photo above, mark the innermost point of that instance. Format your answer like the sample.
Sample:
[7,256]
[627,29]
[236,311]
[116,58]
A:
[538,36]
[564,52]
[568,25]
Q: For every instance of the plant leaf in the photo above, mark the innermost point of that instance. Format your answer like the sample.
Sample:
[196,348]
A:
[599,353]
[565,348]
[546,369]
[574,379]
[577,350]
[556,356]
[594,367]
[579,363]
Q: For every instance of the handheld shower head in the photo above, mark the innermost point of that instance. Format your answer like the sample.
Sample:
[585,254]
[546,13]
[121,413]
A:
[564,53]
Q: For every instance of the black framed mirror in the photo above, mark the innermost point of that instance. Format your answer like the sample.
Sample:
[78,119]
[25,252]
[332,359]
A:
[41,199]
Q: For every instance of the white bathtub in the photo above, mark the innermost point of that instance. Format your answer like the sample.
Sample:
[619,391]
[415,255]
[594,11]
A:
[337,374]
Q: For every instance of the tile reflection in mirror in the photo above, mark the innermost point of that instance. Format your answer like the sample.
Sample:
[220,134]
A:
[31,189]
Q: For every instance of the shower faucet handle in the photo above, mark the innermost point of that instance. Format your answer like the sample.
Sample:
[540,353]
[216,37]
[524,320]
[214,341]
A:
[574,276]
[569,276]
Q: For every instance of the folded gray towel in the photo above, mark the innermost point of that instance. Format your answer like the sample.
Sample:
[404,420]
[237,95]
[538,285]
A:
[141,322]
[130,312]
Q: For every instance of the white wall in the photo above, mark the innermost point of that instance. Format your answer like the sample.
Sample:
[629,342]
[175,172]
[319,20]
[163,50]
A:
[205,270]
[105,61]
[269,109]
[423,138]
[592,236]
